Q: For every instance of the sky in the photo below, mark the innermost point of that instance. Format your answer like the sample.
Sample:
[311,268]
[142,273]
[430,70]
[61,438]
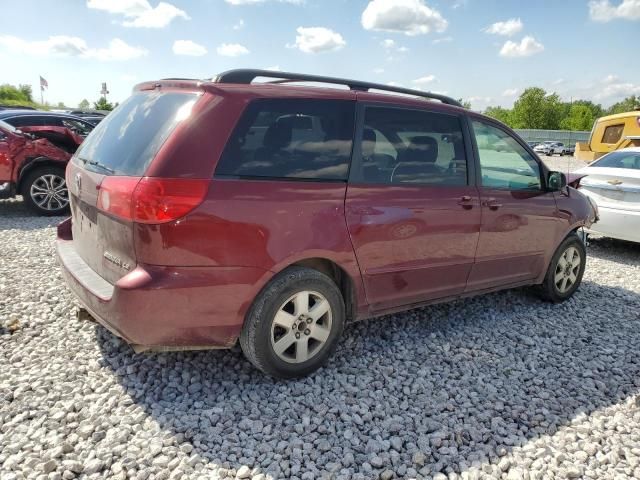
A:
[484,51]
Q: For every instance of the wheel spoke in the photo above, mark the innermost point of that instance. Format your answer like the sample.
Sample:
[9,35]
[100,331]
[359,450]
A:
[559,276]
[284,319]
[302,350]
[320,333]
[573,277]
[284,343]
[563,288]
[301,302]
[319,309]
[562,261]
[38,188]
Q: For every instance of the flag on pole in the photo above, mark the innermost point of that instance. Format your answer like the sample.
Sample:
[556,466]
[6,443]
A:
[43,83]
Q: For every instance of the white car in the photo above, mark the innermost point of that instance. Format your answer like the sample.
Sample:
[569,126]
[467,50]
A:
[613,182]
[551,148]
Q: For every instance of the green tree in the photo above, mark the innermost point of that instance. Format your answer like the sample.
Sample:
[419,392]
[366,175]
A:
[103,104]
[627,105]
[580,117]
[465,103]
[60,105]
[536,109]
[501,114]
[9,92]
[26,92]
[84,104]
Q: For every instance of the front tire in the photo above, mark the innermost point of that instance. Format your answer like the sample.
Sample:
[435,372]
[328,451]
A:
[294,324]
[565,271]
[45,191]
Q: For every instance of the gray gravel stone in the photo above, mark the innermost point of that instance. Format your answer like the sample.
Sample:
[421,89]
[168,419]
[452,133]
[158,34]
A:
[498,386]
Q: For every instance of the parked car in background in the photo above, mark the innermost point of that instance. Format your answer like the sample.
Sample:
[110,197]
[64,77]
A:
[551,148]
[613,182]
[610,133]
[207,212]
[533,144]
[34,150]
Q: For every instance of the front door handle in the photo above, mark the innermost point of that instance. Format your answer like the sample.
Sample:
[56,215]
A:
[466,202]
[492,203]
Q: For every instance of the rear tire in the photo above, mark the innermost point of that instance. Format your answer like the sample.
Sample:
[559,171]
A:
[45,191]
[565,271]
[294,324]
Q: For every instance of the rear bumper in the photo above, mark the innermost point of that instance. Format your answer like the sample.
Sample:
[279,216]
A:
[620,224]
[154,306]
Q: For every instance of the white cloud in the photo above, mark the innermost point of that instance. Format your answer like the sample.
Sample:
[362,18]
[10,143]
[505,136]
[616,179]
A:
[239,25]
[507,28]
[511,92]
[528,46]
[378,70]
[318,39]
[604,11]
[437,41]
[255,2]
[140,13]
[610,79]
[189,48]
[559,81]
[411,17]
[117,50]
[479,103]
[232,50]
[424,80]
[66,46]
[388,43]
[617,90]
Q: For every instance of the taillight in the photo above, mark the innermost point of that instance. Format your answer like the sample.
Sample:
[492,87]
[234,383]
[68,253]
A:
[150,200]
[115,195]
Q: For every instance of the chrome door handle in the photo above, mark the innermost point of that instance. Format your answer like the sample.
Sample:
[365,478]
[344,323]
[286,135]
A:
[492,203]
[466,202]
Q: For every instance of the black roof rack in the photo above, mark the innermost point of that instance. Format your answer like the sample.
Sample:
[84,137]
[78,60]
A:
[246,76]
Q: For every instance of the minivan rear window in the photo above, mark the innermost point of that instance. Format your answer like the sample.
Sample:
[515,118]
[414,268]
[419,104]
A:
[125,142]
[291,139]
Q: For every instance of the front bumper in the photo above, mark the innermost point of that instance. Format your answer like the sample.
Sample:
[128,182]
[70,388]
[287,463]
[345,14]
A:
[620,224]
[155,307]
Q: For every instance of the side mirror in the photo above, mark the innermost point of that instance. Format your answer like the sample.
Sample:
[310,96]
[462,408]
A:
[556,181]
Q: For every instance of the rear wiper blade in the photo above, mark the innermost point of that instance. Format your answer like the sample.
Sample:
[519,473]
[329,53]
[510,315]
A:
[95,163]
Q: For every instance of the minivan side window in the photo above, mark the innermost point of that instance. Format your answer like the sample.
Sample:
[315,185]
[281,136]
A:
[504,163]
[291,139]
[403,146]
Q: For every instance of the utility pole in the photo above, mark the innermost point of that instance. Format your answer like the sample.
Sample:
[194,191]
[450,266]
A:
[104,91]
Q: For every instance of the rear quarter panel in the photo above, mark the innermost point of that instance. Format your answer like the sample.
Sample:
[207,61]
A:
[257,223]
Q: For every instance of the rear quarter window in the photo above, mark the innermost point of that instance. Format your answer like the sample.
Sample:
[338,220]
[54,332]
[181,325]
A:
[291,139]
[127,139]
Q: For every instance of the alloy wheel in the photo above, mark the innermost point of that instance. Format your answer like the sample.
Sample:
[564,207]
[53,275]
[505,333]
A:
[301,327]
[567,269]
[49,192]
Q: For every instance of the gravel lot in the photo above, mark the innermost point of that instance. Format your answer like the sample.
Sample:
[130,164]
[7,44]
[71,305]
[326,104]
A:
[500,386]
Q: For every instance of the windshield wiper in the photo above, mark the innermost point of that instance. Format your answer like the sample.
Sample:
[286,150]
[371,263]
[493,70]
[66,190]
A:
[95,163]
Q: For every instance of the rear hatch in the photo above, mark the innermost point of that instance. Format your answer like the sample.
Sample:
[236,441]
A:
[106,179]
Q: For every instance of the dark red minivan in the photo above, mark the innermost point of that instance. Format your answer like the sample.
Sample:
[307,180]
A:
[204,212]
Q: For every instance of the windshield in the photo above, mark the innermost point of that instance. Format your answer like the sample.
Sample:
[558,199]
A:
[619,159]
[125,142]
[9,128]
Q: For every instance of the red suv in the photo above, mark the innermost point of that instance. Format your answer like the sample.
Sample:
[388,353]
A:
[204,212]
[34,150]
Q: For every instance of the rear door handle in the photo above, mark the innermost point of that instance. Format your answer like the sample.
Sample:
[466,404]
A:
[466,202]
[492,203]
